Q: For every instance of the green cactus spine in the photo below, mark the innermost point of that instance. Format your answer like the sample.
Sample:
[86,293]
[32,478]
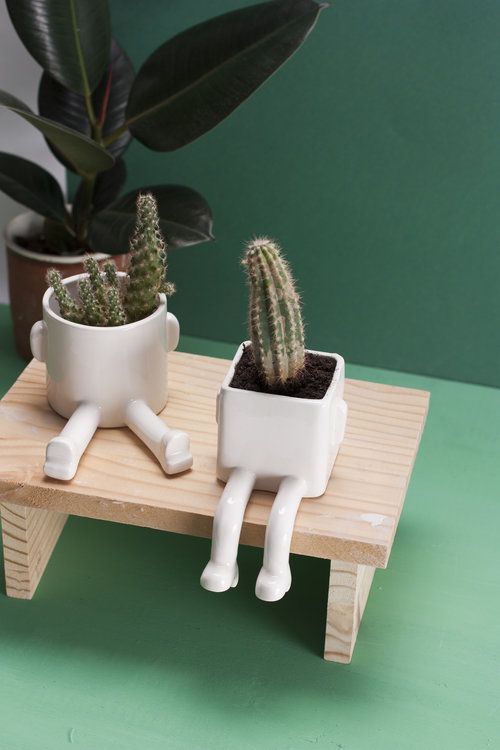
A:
[275,318]
[148,262]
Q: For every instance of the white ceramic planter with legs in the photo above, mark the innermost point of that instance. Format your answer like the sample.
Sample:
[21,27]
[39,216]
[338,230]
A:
[277,443]
[107,377]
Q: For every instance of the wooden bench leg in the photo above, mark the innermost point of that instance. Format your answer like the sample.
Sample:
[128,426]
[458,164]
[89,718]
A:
[347,596]
[29,535]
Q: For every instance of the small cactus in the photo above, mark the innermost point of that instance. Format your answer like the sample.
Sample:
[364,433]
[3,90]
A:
[111,275]
[148,262]
[92,314]
[97,286]
[275,319]
[104,301]
[116,311]
[67,305]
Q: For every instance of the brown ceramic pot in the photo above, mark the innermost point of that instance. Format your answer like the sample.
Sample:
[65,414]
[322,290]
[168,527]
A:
[27,271]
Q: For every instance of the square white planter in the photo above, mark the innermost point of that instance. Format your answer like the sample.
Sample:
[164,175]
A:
[276,436]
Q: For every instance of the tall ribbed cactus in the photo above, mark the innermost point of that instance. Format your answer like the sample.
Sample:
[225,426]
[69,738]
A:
[148,262]
[104,300]
[275,318]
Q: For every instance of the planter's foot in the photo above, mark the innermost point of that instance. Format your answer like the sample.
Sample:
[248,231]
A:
[221,573]
[64,452]
[171,447]
[218,577]
[272,587]
[61,459]
[175,455]
[275,578]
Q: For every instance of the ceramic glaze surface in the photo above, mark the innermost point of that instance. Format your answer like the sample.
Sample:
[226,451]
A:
[107,377]
[276,443]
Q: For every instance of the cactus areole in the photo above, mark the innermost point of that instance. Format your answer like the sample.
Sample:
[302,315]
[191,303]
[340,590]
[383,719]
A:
[277,361]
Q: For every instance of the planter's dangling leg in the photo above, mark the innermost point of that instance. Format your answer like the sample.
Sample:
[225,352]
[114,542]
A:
[275,577]
[222,571]
[171,447]
[65,451]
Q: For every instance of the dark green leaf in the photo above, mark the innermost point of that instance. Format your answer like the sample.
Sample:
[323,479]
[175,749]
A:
[31,185]
[69,38]
[108,185]
[66,107]
[84,154]
[185,219]
[106,189]
[199,77]
[58,238]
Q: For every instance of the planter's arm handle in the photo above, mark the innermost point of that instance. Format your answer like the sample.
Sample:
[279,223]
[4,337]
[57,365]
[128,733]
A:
[340,419]
[38,341]
[173,332]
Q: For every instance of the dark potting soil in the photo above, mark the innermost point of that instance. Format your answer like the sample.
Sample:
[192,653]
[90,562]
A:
[312,382]
[41,246]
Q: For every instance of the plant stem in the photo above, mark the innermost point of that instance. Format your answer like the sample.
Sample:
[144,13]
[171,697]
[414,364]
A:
[68,222]
[85,207]
[114,135]
[105,101]
[89,106]
[87,94]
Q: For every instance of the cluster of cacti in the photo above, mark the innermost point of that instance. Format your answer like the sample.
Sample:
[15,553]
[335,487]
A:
[275,319]
[105,300]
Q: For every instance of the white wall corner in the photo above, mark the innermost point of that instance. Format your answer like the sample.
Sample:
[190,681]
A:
[19,75]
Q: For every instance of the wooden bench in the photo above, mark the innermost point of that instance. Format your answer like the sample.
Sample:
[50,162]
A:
[352,525]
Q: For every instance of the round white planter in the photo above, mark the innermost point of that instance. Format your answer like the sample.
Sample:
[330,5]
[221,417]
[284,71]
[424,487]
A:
[107,377]
[277,443]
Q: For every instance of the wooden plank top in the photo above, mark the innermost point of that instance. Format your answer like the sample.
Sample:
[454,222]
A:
[119,480]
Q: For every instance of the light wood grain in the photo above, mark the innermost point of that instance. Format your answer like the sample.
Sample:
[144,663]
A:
[347,596]
[29,536]
[118,479]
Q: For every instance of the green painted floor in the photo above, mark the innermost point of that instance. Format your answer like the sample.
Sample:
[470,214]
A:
[121,648]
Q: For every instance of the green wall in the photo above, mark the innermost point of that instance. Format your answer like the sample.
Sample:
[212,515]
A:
[374,157]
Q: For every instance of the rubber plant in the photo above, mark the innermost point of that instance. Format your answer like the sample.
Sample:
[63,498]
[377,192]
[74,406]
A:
[91,104]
